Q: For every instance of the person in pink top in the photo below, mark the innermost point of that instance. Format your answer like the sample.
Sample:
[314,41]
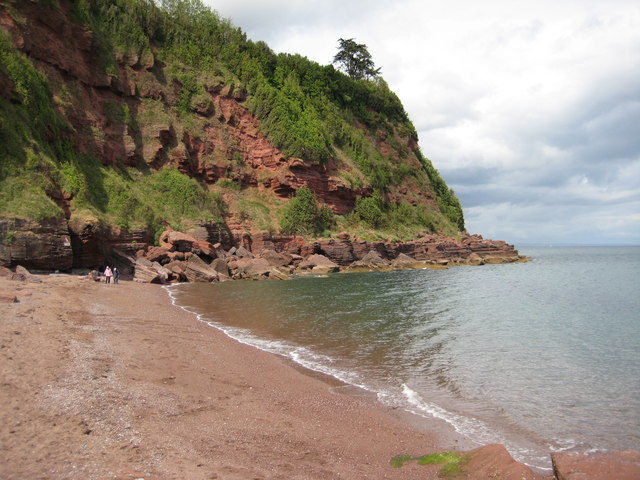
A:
[107,275]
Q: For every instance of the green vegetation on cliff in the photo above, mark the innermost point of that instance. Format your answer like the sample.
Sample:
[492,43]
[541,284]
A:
[178,54]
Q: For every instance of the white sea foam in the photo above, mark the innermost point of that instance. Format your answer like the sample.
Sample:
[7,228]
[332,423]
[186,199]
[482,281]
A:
[475,430]
[298,354]
[407,399]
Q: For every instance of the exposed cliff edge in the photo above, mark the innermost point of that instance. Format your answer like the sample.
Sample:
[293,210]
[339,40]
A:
[119,123]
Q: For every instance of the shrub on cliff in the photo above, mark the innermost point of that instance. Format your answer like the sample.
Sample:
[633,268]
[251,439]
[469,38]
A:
[303,216]
[369,210]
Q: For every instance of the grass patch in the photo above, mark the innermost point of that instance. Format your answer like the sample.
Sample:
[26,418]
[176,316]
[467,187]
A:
[452,462]
[257,213]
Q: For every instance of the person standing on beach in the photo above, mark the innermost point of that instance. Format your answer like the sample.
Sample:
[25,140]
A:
[107,274]
[116,274]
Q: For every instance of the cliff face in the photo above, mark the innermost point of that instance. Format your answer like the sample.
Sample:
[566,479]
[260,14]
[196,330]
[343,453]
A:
[121,114]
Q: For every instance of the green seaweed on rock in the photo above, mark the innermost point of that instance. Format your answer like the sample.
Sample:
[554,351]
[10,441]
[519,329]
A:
[453,462]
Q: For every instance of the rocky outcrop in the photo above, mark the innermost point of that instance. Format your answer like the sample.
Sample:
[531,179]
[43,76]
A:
[197,270]
[249,267]
[56,41]
[44,245]
[87,239]
[212,232]
[328,187]
[430,249]
[94,244]
[318,264]
[150,272]
[181,242]
[58,244]
[371,261]
[21,274]
[494,461]
[623,465]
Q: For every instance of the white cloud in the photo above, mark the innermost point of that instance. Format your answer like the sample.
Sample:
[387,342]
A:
[516,103]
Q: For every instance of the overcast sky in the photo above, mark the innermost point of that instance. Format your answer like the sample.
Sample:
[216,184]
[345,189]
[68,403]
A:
[529,110]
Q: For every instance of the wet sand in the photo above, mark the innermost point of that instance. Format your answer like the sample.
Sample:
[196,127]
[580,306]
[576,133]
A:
[114,382]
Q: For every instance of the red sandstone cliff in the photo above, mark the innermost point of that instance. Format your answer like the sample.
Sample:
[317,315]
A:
[126,116]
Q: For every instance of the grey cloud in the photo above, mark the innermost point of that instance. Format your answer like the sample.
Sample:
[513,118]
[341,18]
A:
[537,193]
[268,20]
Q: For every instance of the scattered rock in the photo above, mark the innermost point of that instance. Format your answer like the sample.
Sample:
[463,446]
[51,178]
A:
[403,261]
[150,272]
[242,252]
[276,259]
[371,261]
[318,264]
[277,274]
[181,242]
[158,254]
[220,266]
[251,268]
[197,270]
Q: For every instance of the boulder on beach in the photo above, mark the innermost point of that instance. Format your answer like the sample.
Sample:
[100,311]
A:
[220,266]
[242,252]
[25,275]
[147,271]
[371,261]
[404,261]
[276,259]
[181,242]
[197,270]
[318,264]
[250,268]
[622,465]
[494,461]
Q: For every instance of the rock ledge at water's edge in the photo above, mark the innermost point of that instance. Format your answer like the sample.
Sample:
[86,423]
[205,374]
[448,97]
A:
[206,251]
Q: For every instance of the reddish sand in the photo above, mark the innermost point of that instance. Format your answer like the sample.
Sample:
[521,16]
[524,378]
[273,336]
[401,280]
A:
[113,382]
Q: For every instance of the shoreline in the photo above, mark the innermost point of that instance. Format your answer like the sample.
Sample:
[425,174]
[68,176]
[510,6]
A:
[447,437]
[441,423]
[114,381]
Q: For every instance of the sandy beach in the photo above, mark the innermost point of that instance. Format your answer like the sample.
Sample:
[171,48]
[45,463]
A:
[114,382]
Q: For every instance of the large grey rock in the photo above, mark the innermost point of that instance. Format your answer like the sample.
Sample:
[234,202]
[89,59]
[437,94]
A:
[197,270]
[220,266]
[242,252]
[372,260]
[150,272]
[251,268]
[276,259]
[277,274]
[318,264]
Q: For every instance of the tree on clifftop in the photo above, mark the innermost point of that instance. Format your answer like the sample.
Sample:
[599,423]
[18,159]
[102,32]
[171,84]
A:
[355,60]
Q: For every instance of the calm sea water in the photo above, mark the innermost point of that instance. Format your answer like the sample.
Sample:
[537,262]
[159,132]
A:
[539,356]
